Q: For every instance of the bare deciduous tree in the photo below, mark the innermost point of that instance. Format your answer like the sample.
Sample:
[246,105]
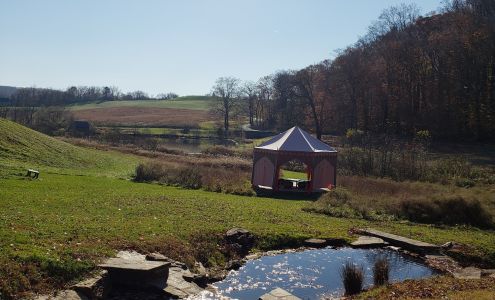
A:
[226,94]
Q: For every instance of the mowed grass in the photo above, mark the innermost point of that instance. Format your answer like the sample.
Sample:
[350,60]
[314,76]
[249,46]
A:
[84,207]
[22,148]
[293,174]
[66,220]
[186,102]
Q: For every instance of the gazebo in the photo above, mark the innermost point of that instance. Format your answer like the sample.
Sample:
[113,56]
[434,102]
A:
[294,144]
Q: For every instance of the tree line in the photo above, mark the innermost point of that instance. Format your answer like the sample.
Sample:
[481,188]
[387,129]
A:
[44,109]
[408,73]
[37,97]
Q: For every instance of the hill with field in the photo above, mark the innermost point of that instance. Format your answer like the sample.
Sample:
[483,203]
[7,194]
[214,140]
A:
[22,148]
[189,111]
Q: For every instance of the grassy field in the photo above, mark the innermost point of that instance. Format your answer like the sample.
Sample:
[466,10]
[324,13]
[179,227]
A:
[65,223]
[84,208]
[22,148]
[143,116]
[186,102]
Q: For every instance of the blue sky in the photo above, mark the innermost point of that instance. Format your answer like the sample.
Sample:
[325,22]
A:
[179,46]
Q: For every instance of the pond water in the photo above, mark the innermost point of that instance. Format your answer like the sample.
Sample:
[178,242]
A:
[312,274]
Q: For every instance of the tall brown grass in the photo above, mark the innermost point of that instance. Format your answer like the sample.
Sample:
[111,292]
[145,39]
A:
[352,278]
[381,270]
[382,199]
[222,180]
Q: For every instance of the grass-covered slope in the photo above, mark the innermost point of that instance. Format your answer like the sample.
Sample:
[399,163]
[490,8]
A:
[22,148]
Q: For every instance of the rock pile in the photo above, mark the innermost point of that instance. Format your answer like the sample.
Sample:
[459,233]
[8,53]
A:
[240,240]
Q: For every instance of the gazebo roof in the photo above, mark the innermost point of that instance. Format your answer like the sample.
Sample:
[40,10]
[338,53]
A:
[296,140]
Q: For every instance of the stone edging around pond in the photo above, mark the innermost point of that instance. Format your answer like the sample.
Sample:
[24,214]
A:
[181,282]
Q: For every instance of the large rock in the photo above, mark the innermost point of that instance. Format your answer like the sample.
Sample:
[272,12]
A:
[368,242]
[160,257]
[315,243]
[90,286]
[176,285]
[135,272]
[234,264]
[320,243]
[241,240]
[279,294]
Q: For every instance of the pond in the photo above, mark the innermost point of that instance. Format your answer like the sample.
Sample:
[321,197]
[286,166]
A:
[312,274]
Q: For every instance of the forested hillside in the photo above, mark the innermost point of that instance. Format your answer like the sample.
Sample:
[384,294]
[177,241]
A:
[409,73]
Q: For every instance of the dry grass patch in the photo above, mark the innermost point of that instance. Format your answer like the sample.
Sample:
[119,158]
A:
[440,287]
[383,199]
[140,116]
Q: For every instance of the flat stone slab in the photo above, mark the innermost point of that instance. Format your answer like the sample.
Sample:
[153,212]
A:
[134,272]
[368,242]
[401,241]
[135,265]
[468,273]
[131,272]
[279,294]
[316,243]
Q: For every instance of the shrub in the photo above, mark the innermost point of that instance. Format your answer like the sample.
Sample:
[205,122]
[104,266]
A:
[352,278]
[354,136]
[215,179]
[146,172]
[188,177]
[219,151]
[381,271]
[295,165]
[464,182]
[452,210]
[399,159]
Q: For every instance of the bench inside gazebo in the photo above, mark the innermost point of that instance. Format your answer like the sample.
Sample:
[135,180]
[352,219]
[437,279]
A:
[294,144]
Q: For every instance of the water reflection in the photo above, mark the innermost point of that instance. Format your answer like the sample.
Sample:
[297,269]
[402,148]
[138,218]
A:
[313,273]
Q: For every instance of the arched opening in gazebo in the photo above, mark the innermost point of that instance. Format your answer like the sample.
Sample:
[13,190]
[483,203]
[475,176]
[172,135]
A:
[294,175]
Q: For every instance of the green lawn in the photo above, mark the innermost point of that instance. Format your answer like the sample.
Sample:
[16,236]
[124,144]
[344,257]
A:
[186,102]
[293,174]
[84,207]
[22,148]
[62,218]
